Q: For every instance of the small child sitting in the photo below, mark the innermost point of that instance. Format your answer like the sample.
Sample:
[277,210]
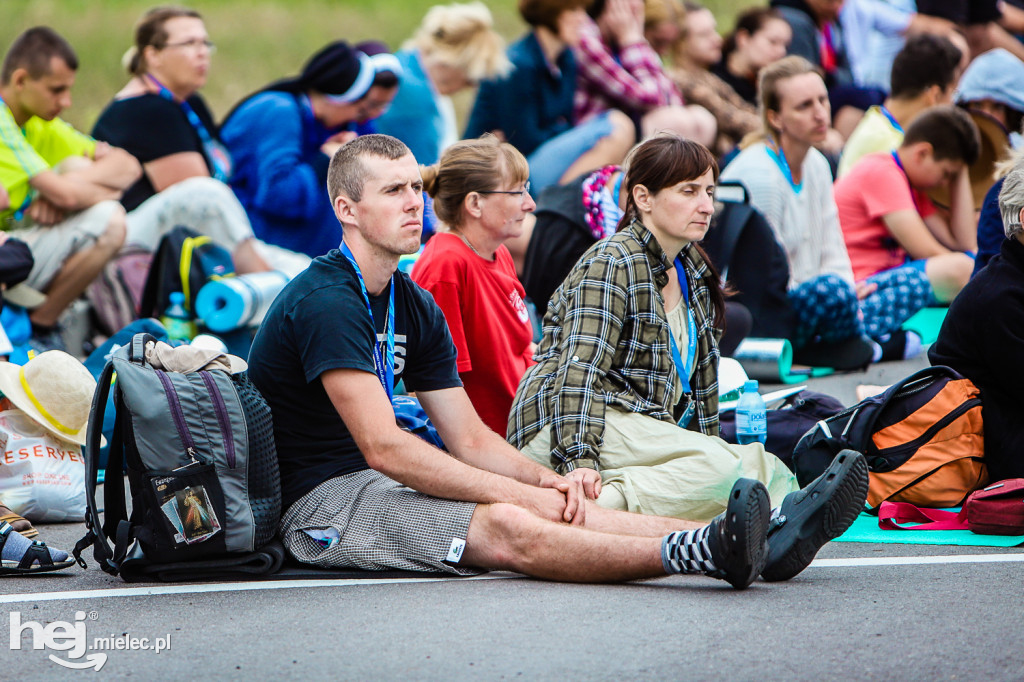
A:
[889,222]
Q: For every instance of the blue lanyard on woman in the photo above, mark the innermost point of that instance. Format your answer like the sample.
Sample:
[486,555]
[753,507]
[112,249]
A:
[685,368]
[383,363]
[780,160]
[214,150]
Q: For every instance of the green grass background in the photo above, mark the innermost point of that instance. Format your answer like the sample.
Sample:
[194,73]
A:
[257,40]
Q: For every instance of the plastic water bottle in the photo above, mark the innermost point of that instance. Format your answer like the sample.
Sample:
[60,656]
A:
[751,416]
[176,320]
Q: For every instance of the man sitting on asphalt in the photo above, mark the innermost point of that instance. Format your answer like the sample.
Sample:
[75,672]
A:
[361,492]
[63,185]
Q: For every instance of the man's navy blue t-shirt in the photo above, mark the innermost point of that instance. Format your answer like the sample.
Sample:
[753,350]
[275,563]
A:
[319,323]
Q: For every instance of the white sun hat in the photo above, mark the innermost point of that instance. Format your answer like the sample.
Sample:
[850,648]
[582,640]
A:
[55,390]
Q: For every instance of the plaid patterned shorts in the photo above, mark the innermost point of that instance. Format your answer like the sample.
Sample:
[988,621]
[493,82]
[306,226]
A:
[383,525]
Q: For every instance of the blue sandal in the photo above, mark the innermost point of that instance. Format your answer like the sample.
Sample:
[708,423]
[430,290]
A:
[36,558]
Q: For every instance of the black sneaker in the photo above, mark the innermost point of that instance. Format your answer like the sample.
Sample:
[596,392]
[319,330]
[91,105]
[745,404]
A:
[738,537]
[810,517]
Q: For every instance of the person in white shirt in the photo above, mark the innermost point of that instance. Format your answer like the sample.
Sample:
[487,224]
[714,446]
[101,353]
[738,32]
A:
[790,182]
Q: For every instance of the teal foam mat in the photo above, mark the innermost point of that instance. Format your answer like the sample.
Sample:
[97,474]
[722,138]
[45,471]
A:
[926,323]
[865,529]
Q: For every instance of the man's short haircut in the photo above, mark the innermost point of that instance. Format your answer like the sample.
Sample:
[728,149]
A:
[949,130]
[924,61]
[348,174]
[1011,199]
[33,50]
[546,12]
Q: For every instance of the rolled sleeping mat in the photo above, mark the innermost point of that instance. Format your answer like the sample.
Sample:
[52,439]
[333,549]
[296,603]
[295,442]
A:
[771,361]
[235,302]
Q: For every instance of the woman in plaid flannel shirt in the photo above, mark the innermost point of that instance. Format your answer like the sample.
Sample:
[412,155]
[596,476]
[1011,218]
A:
[625,392]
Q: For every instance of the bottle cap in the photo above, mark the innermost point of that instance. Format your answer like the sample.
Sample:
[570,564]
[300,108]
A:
[177,297]
[750,386]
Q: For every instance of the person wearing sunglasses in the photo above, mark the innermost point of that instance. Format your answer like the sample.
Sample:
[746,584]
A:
[482,195]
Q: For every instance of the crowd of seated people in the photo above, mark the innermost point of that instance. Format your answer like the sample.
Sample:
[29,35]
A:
[617,116]
[585,83]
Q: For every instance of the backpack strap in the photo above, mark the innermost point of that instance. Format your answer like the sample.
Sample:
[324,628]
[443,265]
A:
[735,217]
[891,514]
[898,390]
[185,266]
[94,535]
[137,350]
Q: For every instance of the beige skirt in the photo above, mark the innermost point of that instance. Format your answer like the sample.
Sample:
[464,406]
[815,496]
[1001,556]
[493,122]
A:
[650,466]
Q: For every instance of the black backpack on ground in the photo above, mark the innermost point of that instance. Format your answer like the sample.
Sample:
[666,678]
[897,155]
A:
[202,469]
[184,261]
[787,424]
[742,245]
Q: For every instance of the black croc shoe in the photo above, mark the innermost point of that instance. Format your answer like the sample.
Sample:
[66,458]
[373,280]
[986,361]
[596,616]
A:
[739,537]
[810,517]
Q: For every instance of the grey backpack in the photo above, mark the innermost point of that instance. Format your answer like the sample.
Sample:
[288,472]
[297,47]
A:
[199,453]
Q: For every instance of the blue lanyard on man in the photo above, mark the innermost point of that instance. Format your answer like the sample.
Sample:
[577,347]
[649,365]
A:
[212,149]
[913,194]
[685,368]
[383,363]
[891,119]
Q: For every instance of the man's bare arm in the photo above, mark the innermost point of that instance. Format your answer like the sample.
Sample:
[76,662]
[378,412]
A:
[115,169]
[89,182]
[364,407]
[469,439]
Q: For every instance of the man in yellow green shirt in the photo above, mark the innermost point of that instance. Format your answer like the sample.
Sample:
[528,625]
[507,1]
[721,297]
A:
[62,185]
[924,75]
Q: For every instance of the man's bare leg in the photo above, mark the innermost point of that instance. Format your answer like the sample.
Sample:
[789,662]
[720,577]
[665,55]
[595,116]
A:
[247,259]
[732,547]
[80,270]
[504,536]
[638,525]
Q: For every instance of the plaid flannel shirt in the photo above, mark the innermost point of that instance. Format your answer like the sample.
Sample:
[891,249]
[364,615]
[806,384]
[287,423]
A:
[606,341]
[633,81]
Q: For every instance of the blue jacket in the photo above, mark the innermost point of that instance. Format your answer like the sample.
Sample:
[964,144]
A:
[280,174]
[533,104]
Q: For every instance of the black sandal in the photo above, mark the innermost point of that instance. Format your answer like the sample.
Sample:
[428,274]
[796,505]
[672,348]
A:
[36,558]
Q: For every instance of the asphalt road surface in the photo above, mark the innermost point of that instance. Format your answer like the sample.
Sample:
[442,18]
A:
[860,611]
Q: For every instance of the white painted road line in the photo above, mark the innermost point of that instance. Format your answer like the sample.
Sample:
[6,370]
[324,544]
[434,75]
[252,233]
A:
[918,560]
[155,590]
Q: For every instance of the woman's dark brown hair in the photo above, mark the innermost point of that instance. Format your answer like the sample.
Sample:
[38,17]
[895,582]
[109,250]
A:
[665,161]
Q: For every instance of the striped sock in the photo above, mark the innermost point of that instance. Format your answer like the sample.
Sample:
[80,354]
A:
[687,551]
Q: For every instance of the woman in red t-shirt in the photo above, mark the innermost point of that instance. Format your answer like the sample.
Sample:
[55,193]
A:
[481,194]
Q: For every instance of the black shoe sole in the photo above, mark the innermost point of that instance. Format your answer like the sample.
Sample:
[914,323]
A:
[741,546]
[830,504]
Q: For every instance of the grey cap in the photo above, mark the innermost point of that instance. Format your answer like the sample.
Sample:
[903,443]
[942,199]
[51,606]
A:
[996,75]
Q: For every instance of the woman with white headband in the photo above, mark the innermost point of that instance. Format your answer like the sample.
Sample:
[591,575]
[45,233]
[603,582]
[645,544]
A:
[282,138]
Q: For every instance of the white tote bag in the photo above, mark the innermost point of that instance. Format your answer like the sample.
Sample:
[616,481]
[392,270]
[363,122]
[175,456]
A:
[41,477]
